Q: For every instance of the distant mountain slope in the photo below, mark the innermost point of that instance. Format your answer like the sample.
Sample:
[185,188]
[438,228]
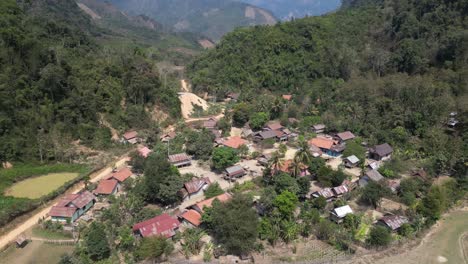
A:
[285,9]
[212,18]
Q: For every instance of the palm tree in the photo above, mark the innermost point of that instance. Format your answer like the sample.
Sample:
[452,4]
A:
[295,168]
[303,155]
[192,243]
[276,162]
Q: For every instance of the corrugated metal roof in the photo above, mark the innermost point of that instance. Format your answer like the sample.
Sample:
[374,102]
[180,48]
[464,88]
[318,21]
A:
[83,199]
[164,225]
[347,135]
[106,187]
[196,185]
[342,211]
[353,159]
[394,221]
[374,175]
[235,169]
[179,157]
[61,211]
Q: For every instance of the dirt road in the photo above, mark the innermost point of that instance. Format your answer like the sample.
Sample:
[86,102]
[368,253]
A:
[95,177]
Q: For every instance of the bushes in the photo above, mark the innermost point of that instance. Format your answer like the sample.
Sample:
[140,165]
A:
[379,237]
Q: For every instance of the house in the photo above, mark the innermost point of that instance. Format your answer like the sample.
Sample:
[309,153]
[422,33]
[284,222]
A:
[351,161]
[373,165]
[161,225]
[381,152]
[328,146]
[180,160]
[287,97]
[107,187]
[315,151]
[191,218]
[318,129]
[131,137]
[282,135]
[273,126]
[199,207]
[339,191]
[233,96]
[235,172]
[326,193]
[286,167]
[338,214]
[234,142]
[168,137]
[21,241]
[121,175]
[72,206]
[210,124]
[247,132]
[194,187]
[264,135]
[144,152]
[345,136]
[370,175]
[216,133]
[393,222]
[264,159]
[393,185]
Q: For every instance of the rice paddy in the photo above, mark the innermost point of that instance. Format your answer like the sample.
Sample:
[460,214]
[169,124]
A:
[37,187]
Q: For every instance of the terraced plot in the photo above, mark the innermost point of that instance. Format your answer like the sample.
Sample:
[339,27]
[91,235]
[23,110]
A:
[37,187]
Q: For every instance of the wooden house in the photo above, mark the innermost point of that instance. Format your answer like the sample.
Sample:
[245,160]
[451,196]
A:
[72,206]
[107,187]
[180,160]
[338,214]
[381,152]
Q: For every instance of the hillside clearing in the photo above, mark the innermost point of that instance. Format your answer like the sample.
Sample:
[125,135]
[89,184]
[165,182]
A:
[188,100]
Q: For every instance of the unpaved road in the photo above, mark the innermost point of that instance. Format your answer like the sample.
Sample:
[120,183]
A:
[95,177]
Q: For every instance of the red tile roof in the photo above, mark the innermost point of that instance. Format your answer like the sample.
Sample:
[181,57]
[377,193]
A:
[192,217]
[130,134]
[208,203]
[161,225]
[144,152]
[321,142]
[195,185]
[234,142]
[61,211]
[121,175]
[287,97]
[106,187]
[347,135]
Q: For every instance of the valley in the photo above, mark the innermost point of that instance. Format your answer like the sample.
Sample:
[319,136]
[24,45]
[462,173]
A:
[157,131]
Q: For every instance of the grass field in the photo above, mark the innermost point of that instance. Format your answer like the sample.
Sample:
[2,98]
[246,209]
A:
[35,252]
[443,246]
[37,187]
[48,234]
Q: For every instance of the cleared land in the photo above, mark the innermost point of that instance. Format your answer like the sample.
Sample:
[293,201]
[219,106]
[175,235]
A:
[37,187]
[34,252]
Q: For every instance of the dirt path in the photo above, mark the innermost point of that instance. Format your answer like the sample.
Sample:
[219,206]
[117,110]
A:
[185,86]
[95,177]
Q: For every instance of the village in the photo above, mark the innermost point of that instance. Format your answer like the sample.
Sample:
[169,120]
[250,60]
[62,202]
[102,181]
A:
[271,150]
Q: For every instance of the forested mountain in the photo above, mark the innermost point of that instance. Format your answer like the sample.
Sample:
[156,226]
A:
[211,18]
[389,70]
[56,82]
[287,9]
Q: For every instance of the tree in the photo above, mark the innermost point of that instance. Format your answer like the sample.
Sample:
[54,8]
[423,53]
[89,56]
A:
[325,230]
[200,144]
[243,151]
[355,148]
[406,230]
[269,229]
[289,230]
[137,162]
[275,163]
[319,203]
[258,120]
[303,154]
[162,180]
[324,176]
[241,114]
[213,190]
[315,165]
[434,203]
[379,236]
[304,186]
[126,238]
[352,222]
[192,243]
[229,224]
[284,181]
[373,193]
[97,246]
[224,157]
[155,247]
[286,202]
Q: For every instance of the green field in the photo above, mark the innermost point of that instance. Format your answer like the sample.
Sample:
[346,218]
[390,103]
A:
[37,187]
[35,252]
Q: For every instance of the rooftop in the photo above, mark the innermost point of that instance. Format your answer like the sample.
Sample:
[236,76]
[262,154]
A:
[195,185]
[234,142]
[122,174]
[178,158]
[374,175]
[394,221]
[321,142]
[347,135]
[192,216]
[208,202]
[342,211]
[106,187]
[163,225]
[353,159]
[144,152]
[382,150]
[130,134]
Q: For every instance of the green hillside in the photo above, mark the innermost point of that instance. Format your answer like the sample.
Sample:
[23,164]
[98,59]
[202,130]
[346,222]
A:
[56,82]
[391,71]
